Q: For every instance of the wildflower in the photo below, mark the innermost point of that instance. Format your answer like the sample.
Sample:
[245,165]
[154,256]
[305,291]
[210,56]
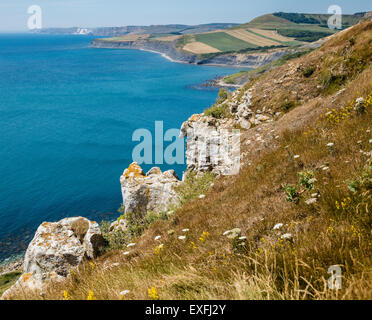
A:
[202,196]
[243,238]
[296,156]
[311,201]
[370,141]
[226,232]
[92,265]
[193,245]
[331,229]
[153,294]
[157,238]
[91,296]
[331,144]
[286,236]
[181,237]
[278,226]
[126,253]
[159,248]
[66,296]
[123,294]
[204,236]
[131,245]
[185,230]
[325,168]
[337,205]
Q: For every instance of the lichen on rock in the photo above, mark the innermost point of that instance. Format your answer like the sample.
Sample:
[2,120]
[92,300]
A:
[153,191]
[56,248]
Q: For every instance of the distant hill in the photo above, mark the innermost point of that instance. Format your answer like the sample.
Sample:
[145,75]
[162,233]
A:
[270,31]
[178,29]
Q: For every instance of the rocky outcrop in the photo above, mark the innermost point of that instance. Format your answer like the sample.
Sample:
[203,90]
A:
[211,145]
[153,191]
[56,248]
[214,144]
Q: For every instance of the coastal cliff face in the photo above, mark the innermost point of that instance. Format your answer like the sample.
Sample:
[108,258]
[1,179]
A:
[168,49]
[163,47]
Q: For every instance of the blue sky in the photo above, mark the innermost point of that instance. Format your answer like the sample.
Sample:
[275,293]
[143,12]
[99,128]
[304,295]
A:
[94,13]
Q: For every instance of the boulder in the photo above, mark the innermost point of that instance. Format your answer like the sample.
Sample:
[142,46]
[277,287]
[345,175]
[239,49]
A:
[56,248]
[153,191]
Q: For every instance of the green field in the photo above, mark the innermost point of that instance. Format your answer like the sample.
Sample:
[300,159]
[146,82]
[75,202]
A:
[223,41]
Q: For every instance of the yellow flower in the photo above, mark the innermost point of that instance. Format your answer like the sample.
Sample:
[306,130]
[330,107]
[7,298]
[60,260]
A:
[91,296]
[158,249]
[92,265]
[66,296]
[153,295]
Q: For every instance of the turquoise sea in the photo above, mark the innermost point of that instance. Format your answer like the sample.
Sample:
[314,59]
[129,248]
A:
[67,114]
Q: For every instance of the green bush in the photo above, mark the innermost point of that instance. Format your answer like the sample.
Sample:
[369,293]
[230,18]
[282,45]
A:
[291,193]
[308,71]
[218,111]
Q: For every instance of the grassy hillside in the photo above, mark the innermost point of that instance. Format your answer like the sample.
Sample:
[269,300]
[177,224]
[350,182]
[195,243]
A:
[269,31]
[256,235]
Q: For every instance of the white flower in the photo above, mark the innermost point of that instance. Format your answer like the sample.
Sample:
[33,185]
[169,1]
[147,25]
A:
[125,292]
[243,238]
[185,230]
[157,238]
[296,156]
[226,232]
[331,144]
[278,226]
[370,141]
[286,236]
[161,246]
[182,237]
[202,196]
[311,201]
[325,168]
[126,253]
[131,245]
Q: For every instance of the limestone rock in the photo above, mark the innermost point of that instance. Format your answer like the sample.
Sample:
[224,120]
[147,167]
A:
[56,248]
[151,192]
[212,145]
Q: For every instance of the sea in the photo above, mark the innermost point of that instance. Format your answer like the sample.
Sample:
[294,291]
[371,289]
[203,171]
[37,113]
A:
[67,115]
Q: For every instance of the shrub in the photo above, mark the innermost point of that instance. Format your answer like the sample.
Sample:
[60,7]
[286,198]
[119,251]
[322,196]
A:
[307,179]
[292,193]
[287,105]
[218,112]
[308,71]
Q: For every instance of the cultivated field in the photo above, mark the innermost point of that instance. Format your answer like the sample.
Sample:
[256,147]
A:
[272,34]
[224,42]
[252,38]
[199,48]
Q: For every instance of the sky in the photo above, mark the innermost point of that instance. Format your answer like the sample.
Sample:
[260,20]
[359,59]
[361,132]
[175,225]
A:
[101,13]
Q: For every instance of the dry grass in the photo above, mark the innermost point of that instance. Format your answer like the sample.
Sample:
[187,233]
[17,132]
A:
[335,230]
